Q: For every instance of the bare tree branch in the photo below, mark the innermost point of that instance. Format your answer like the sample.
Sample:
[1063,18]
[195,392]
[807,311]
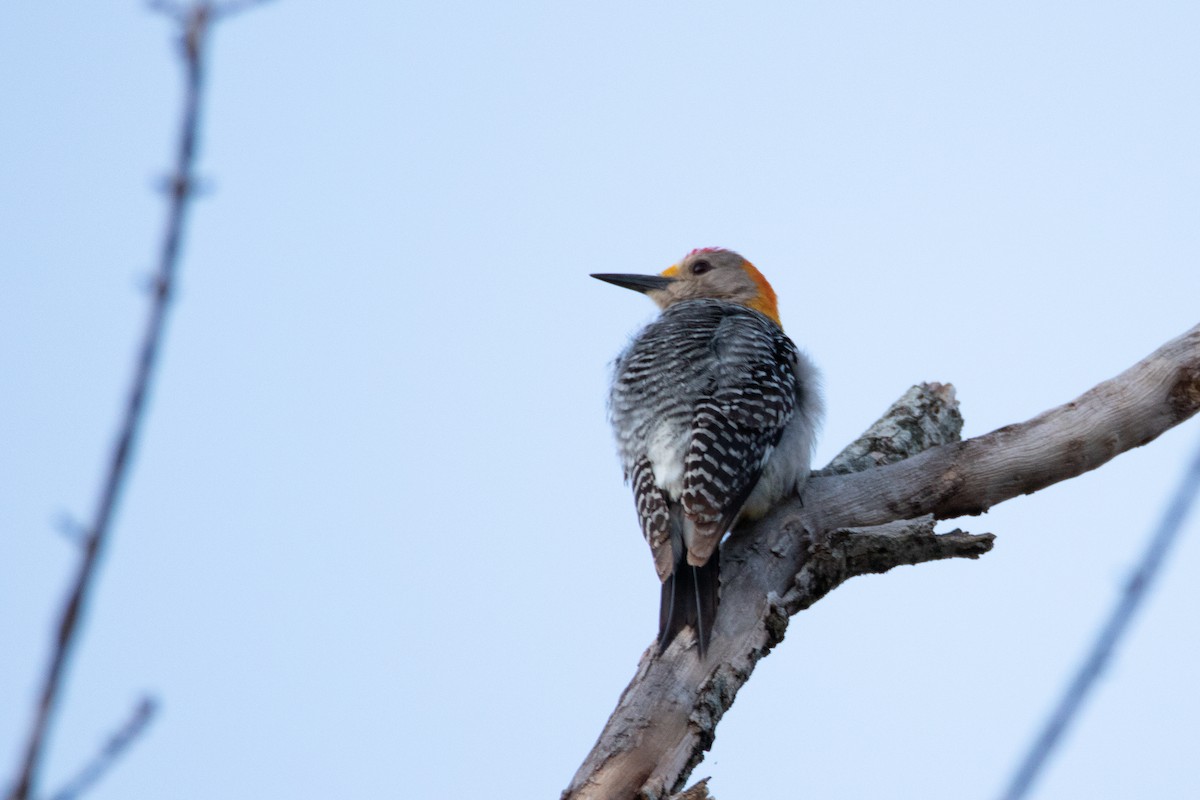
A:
[970,477]
[1110,635]
[194,27]
[667,716]
[117,744]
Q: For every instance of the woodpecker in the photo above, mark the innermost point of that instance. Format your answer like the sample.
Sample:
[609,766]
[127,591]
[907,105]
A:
[715,414]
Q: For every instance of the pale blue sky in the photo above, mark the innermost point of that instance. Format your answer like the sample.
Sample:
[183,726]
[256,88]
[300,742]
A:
[376,541]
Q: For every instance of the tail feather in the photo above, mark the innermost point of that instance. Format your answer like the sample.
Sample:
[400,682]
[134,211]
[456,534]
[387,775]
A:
[689,597]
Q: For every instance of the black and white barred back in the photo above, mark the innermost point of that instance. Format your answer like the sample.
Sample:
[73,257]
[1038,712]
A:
[700,402]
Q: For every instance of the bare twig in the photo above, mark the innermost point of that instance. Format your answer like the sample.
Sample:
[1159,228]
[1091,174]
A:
[181,12]
[1110,635]
[143,714]
[194,24]
[231,7]
[71,528]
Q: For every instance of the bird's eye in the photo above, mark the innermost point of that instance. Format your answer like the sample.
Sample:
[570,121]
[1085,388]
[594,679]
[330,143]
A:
[701,267]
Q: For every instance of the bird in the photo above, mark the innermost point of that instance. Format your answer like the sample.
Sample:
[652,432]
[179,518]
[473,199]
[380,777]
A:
[715,412]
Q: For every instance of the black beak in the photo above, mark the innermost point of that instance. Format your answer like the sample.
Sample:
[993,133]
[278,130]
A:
[639,283]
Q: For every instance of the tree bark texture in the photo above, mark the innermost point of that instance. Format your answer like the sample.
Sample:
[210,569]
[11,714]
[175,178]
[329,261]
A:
[873,508]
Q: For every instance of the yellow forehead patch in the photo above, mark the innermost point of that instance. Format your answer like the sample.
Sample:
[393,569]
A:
[671,271]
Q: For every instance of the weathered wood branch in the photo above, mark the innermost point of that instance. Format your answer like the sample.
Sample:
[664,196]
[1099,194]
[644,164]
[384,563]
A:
[908,466]
[967,478]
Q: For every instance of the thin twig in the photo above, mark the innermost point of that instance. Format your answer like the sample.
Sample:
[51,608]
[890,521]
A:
[181,11]
[139,720]
[194,25]
[232,7]
[1110,635]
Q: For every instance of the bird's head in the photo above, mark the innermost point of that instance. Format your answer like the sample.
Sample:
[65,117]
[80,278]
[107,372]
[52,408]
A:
[710,273]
